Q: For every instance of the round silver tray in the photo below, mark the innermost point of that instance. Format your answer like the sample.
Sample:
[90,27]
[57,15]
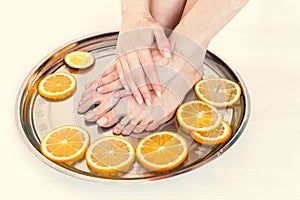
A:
[36,116]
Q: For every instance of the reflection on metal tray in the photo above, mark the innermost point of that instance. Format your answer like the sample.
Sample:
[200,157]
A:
[36,116]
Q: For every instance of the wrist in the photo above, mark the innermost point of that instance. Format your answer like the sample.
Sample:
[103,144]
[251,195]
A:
[135,7]
[197,35]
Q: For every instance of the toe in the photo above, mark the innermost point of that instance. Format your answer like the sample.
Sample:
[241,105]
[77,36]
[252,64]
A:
[110,118]
[140,127]
[129,128]
[120,126]
[88,102]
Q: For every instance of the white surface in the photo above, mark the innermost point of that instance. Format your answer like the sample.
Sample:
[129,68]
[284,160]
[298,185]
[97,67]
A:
[261,43]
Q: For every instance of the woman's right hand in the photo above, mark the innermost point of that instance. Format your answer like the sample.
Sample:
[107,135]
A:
[134,66]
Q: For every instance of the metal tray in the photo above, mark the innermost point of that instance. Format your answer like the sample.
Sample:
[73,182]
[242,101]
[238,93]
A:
[36,116]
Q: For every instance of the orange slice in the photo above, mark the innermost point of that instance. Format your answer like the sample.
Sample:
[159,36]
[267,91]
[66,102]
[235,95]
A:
[65,144]
[162,151]
[79,59]
[198,116]
[110,154]
[218,92]
[212,137]
[57,86]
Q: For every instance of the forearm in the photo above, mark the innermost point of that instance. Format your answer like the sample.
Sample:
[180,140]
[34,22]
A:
[207,18]
[135,6]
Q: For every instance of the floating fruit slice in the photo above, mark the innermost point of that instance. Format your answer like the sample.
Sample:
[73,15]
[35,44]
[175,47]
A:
[198,116]
[218,92]
[162,151]
[212,137]
[59,85]
[110,154]
[79,59]
[65,144]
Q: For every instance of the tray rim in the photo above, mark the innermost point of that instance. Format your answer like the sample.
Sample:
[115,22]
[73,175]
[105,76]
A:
[71,173]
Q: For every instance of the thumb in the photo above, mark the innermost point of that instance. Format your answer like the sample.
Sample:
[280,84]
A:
[162,42]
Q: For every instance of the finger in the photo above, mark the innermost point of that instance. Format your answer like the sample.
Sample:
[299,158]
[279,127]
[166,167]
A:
[162,42]
[138,74]
[121,73]
[109,87]
[127,64]
[109,70]
[108,78]
[150,71]
[121,94]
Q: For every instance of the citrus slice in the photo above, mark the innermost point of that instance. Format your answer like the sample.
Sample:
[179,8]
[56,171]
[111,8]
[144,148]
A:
[218,92]
[110,154]
[198,116]
[79,59]
[65,143]
[59,85]
[162,151]
[216,136]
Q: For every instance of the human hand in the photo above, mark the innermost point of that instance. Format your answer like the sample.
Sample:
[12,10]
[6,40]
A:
[134,66]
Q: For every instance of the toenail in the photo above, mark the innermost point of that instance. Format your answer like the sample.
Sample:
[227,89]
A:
[102,121]
[116,131]
[125,133]
[90,115]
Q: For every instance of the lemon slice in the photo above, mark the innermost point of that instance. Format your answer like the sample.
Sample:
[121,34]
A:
[162,151]
[212,137]
[59,85]
[65,144]
[218,92]
[198,116]
[79,59]
[110,154]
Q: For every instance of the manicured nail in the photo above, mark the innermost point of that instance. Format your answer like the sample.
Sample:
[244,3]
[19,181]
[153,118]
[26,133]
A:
[139,100]
[100,89]
[148,102]
[167,53]
[157,92]
[90,116]
[102,121]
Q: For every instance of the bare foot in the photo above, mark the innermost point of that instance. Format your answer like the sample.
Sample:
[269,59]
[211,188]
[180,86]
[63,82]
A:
[130,116]
[102,102]
[178,75]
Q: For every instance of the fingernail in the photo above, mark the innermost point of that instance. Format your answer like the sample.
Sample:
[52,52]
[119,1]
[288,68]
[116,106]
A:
[139,100]
[90,116]
[148,102]
[100,89]
[167,53]
[157,92]
[102,121]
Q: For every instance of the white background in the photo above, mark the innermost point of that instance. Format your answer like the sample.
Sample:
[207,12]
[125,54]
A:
[261,43]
